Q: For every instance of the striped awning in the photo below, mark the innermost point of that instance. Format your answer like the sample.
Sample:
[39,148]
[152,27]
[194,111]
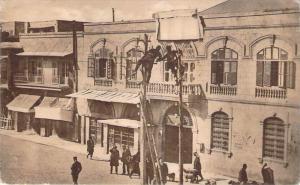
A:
[108,96]
[23,103]
[48,54]
[127,123]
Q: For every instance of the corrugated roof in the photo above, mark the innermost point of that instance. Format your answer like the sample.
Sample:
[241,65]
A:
[23,103]
[108,96]
[50,54]
[250,6]
[55,102]
[13,45]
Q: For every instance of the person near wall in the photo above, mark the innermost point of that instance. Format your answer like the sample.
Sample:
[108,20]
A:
[243,178]
[90,148]
[267,174]
[197,167]
[114,159]
[125,159]
[75,170]
[163,170]
[135,162]
[149,170]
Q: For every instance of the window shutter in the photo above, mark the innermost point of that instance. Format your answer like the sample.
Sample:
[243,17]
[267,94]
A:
[91,67]
[220,72]
[267,74]
[109,68]
[290,76]
[281,74]
[274,73]
[259,73]
[214,72]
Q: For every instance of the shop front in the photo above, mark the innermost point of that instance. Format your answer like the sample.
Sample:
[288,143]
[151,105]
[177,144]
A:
[20,109]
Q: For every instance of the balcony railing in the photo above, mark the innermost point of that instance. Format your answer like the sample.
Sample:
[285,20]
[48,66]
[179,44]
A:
[269,92]
[227,90]
[103,82]
[172,89]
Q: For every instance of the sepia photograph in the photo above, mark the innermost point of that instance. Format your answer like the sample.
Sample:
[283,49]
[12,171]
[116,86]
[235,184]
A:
[150,92]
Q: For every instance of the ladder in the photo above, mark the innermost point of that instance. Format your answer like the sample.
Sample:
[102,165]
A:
[145,108]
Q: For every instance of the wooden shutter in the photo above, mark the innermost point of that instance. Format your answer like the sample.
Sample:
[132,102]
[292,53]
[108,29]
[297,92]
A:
[259,73]
[274,73]
[220,72]
[91,67]
[214,72]
[290,75]
[109,68]
[267,74]
[281,74]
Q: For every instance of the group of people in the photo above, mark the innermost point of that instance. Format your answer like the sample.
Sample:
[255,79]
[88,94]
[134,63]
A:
[266,172]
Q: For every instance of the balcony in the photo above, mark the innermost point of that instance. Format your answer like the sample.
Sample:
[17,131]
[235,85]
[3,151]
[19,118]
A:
[103,82]
[167,89]
[56,83]
[270,92]
[227,90]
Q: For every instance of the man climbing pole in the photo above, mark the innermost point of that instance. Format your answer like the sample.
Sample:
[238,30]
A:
[172,58]
[147,62]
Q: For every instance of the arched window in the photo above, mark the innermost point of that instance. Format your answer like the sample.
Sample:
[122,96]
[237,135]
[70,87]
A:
[224,66]
[100,63]
[273,138]
[132,56]
[172,117]
[274,69]
[220,131]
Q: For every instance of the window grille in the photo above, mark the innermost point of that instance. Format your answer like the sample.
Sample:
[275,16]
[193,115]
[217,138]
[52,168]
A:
[220,131]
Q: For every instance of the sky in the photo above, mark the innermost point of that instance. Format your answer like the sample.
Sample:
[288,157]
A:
[93,10]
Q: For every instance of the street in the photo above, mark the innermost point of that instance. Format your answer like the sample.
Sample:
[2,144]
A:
[24,162]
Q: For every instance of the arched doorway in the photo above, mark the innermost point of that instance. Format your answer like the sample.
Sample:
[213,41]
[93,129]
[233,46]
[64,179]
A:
[171,141]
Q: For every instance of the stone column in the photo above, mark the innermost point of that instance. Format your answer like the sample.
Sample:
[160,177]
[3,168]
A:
[82,130]
[87,128]
[43,129]
[105,136]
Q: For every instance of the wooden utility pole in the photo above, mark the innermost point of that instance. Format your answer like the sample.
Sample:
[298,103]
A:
[180,162]
[113,14]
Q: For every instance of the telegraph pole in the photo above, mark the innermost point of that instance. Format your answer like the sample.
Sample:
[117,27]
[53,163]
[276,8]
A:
[180,162]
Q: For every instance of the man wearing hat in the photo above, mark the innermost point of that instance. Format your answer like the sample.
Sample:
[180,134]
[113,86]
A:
[114,159]
[125,159]
[197,166]
[75,170]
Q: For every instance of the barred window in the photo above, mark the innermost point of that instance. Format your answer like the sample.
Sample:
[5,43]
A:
[224,66]
[274,69]
[120,136]
[273,138]
[220,131]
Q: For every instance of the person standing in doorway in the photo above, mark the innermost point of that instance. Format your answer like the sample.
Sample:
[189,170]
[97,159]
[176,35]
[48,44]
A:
[125,159]
[197,167]
[114,159]
[75,170]
[90,147]
[163,171]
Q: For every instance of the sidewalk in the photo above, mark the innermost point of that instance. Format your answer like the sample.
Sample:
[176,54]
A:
[55,141]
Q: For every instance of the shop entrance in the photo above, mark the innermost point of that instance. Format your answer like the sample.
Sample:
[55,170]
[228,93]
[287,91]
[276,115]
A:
[171,139]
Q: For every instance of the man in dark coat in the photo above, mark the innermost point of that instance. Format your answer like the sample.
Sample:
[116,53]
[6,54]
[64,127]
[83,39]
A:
[243,178]
[90,148]
[75,170]
[125,159]
[149,170]
[163,170]
[135,164]
[114,159]
[197,167]
[147,62]
[267,174]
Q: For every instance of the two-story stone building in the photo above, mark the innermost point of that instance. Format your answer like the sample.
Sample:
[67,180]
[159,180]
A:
[241,96]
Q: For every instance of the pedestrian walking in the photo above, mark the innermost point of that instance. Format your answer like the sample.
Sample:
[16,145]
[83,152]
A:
[197,167]
[164,171]
[243,178]
[149,170]
[114,159]
[90,147]
[75,170]
[125,159]
[135,162]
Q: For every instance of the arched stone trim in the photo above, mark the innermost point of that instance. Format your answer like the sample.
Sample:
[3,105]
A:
[191,112]
[269,40]
[125,44]
[220,42]
[100,42]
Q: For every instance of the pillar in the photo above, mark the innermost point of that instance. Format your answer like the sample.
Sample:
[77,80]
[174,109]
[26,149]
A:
[87,129]
[43,128]
[15,115]
[136,140]
[82,129]
[53,124]
[105,136]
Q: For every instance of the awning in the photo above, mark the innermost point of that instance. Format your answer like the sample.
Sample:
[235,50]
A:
[10,45]
[108,96]
[55,109]
[2,58]
[50,54]
[178,25]
[57,47]
[23,103]
[128,123]
[41,24]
